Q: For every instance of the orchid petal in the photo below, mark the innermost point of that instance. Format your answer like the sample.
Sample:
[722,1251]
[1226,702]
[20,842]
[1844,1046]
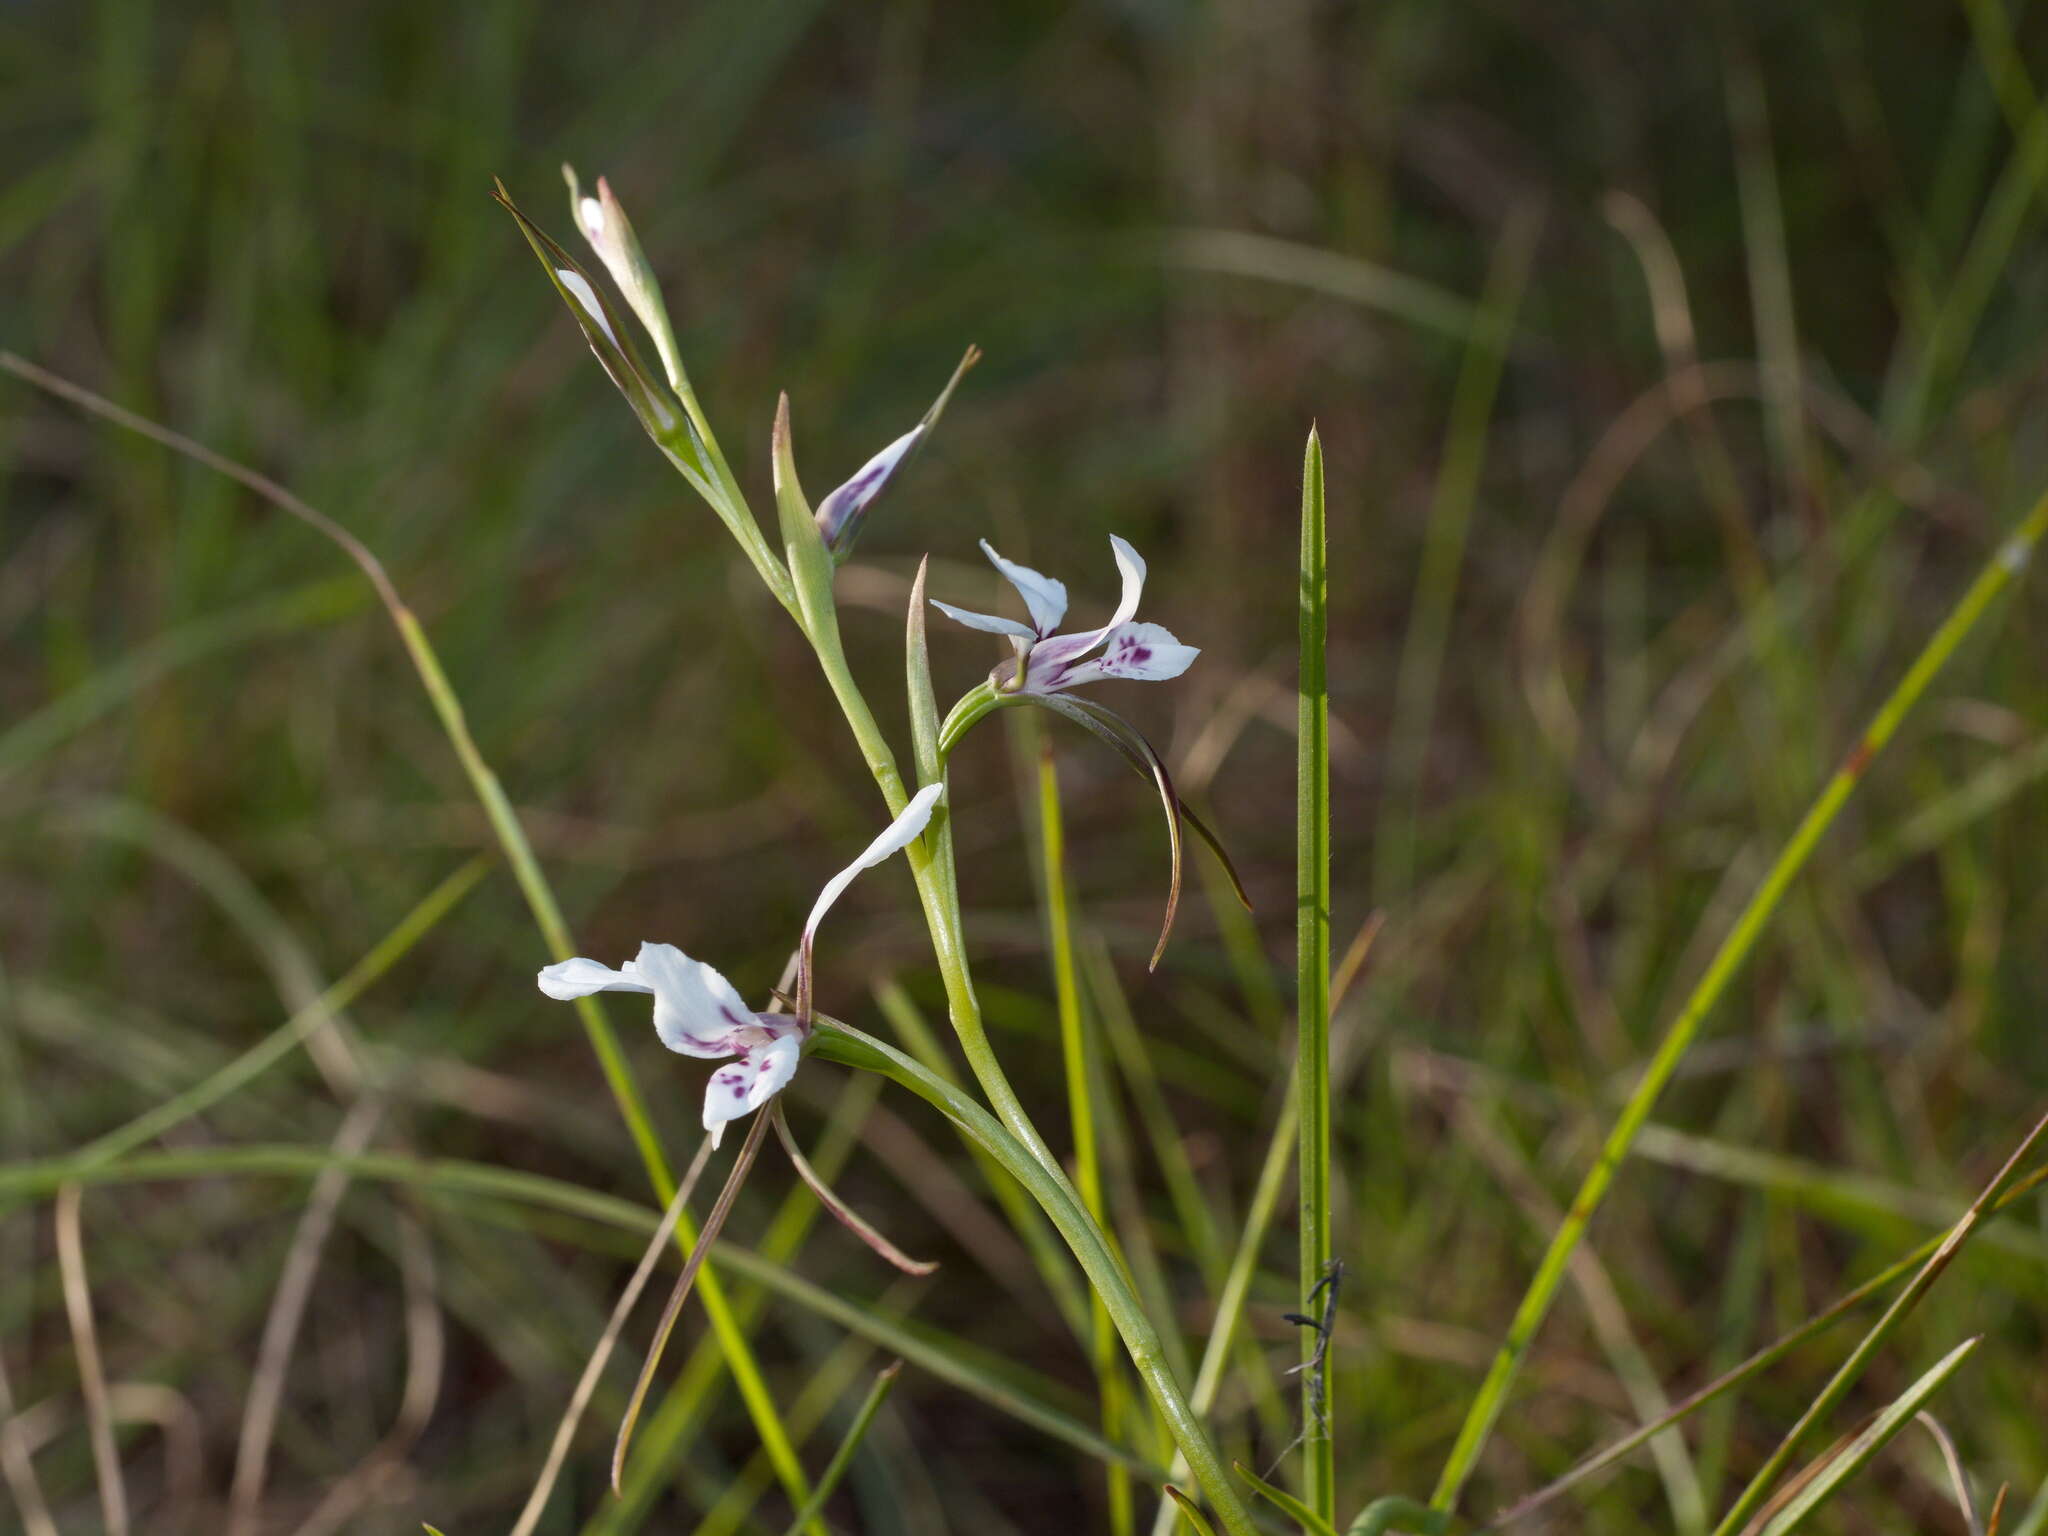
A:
[696,1011]
[1132,565]
[898,835]
[839,514]
[987,621]
[1046,598]
[1142,652]
[586,299]
[745,1085]
[567,980]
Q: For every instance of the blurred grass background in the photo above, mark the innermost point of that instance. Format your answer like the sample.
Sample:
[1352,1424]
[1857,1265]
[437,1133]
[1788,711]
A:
[1675,369]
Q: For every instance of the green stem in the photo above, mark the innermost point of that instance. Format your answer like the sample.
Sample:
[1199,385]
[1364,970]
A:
[1312,981]
[849,1047]
[1492,1397]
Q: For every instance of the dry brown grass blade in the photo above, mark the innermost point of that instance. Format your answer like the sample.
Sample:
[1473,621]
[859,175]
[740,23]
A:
[287,1312]
[92,1378]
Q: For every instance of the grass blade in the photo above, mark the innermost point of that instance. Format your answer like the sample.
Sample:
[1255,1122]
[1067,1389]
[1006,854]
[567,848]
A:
[1074,1054]
[1310,1522]
[1866,1349]
[511,835]
[1487,1405]
[842,1458]
[1827,1479]
[1312,979]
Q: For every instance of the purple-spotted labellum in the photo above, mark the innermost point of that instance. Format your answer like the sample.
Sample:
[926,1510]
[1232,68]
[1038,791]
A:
[697,1012]
[841,514]
[1047,662]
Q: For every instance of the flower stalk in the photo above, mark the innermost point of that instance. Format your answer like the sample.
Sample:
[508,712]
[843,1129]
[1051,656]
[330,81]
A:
[1046,664]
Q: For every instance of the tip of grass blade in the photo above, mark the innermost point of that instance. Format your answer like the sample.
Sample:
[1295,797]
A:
[1191,1512]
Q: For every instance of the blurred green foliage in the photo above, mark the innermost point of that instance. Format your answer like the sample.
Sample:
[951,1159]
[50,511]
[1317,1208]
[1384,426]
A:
[1179,232]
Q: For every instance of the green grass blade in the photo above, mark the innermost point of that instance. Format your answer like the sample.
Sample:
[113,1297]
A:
[1866,1349]
[1487,1405]
[274,1047]
[1312,977]
[1310,1522]
[842,1458]
[1081,1110]
[1841,1466]
[471,1181]
[835,1041]
[511,835]
[1190,1511]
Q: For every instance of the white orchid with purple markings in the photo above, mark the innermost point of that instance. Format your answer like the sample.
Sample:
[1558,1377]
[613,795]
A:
[1047,662]
[697,1012]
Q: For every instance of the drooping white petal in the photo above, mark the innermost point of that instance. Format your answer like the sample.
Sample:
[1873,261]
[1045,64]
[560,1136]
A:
[1144,652]
[696,1010]
[567,980]
[586,299]
[843,506]
[1046,598]
[899,834]
[1132,566]
[986,621]
[743,1086]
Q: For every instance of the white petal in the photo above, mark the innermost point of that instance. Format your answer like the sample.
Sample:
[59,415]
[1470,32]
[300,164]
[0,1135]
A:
[987,621]
[696,1010]
[899,834]
[865,486]
[586,297]
[591,214]
[1132,565]
[1046,598]
[569,979]
[1144,652]
[745,1085]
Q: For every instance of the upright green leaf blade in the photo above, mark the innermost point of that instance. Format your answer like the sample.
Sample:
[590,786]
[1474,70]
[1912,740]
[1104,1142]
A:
[1312,975]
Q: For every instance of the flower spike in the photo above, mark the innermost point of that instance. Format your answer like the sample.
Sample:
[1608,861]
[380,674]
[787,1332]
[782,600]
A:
[594,317]
[697,1012]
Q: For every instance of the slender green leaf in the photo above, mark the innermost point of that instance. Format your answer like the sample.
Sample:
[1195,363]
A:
[1492,1397]
[1839,1466]
[842,1458]
[1312,981]
[1311,1522]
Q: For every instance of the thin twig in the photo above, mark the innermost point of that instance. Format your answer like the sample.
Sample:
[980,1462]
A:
[92,1378]
[287,1311]
[425,1351]
[706,1236]
[593,1369]
[19,1467]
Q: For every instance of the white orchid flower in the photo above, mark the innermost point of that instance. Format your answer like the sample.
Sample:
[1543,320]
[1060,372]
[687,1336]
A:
[1047,662]
[697,1012]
